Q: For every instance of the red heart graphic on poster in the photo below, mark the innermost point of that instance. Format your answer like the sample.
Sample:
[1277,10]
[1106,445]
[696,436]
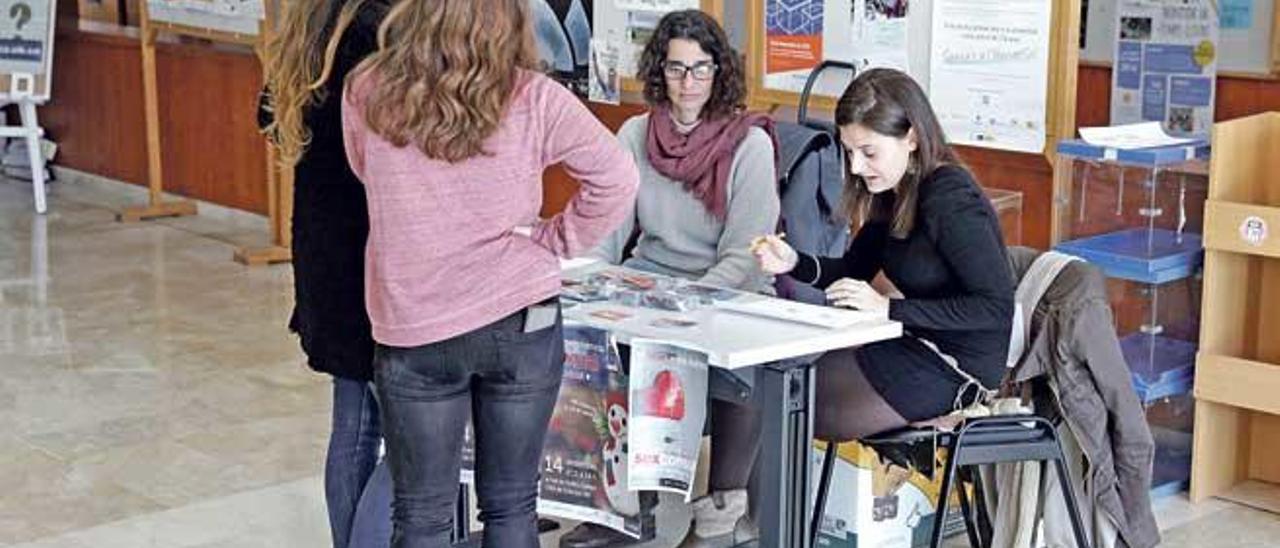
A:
[666,397]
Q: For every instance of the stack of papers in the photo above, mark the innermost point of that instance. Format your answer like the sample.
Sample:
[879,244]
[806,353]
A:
[1131,136]
[792,311]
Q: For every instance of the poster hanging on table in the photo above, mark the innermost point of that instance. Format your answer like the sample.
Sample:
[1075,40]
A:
[668,410]
[1166,62]
[584,473]
[989,72]
[584,456]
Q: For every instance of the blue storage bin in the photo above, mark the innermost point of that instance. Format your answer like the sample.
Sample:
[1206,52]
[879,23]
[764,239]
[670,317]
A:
[1148,157]
[1143,255]
[1163,371]
[1138,216]
[1160,366]
[1171,420]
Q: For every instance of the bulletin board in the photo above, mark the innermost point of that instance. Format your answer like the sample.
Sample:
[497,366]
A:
[1059,65]
[1248,43]
[829,22]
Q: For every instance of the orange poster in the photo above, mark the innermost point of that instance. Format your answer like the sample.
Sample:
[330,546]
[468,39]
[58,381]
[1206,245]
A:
[794,41]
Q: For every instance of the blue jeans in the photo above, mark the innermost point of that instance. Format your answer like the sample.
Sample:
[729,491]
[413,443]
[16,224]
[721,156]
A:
[372,525]
[353,453]
[507,380]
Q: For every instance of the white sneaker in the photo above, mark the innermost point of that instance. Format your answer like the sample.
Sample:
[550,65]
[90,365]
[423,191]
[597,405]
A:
[720,521]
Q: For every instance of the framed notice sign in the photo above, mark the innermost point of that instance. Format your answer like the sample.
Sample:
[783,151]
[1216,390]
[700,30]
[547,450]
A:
[26,47]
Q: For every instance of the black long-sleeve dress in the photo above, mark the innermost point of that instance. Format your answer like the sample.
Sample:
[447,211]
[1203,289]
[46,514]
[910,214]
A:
[954,275]
[331,225]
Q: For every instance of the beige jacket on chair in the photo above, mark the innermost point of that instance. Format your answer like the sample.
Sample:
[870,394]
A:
[1072,345]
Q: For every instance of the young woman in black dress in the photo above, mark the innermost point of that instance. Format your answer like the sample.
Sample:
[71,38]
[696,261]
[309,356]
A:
[921,219]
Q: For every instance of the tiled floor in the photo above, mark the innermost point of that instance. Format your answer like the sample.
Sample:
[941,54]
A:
[150,395]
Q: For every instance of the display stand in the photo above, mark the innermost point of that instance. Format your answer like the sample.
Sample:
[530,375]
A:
[1144,233]
[22,93]
[1237,423]
[26,78]
[279,196]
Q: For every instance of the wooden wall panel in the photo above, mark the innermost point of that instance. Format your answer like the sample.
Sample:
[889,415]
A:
[1030,174]
[211,145]
[96,111]
[1236,97]
[557,186]
[211,148]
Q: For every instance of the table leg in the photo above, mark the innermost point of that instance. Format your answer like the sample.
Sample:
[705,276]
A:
[786,396]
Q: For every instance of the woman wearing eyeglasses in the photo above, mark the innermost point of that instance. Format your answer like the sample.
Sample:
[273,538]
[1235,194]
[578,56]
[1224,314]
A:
[708,186]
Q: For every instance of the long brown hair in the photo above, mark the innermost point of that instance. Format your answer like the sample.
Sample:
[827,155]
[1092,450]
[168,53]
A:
[445,72]
[889,102]
[299,59]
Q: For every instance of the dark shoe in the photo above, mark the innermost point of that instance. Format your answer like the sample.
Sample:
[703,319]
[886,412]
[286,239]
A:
[590,535]
[547,525]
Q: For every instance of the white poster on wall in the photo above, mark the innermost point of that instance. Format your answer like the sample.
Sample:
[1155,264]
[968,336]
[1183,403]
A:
[605,85]
[237,16]
[989,71]
[1166,64]
[880,34]
[623,27]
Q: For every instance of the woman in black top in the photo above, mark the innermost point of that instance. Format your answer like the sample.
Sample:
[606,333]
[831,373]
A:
[926,224]
[308,60]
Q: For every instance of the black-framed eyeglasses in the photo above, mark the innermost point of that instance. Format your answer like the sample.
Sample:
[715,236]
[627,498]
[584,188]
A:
[675,70]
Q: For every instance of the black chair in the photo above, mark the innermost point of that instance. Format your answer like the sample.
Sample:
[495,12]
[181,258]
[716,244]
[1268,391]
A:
[979,441]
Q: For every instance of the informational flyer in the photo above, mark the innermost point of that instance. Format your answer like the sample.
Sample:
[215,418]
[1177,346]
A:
[668,409]
[584,457]
[800,34]
[989,72]
[606,81]
[236,16]
[794,34]
[623,27]
[656,5]
[584,473]
[1166,63]
[1236,14]
[880,34]
[24,36]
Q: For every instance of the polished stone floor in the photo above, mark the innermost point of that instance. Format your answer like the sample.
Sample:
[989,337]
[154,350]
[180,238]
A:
[150,395]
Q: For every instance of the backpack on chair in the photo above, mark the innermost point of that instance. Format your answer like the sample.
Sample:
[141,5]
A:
[810,185]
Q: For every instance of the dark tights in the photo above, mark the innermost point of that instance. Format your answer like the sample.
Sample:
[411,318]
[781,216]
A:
[735,442]
[848,407]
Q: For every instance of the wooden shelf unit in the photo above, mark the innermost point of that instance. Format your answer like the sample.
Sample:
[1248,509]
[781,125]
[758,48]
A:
[1237,423]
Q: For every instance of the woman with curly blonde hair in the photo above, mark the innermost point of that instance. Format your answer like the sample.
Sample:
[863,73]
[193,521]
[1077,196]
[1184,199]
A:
[318,44]
[450,131]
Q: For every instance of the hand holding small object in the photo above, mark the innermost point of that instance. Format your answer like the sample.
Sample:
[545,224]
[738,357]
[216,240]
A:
[774,255]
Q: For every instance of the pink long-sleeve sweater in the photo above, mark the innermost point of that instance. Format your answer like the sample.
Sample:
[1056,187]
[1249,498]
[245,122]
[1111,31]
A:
[443,257]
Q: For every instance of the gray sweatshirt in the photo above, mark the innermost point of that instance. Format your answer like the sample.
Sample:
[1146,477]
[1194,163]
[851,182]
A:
[680,237]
